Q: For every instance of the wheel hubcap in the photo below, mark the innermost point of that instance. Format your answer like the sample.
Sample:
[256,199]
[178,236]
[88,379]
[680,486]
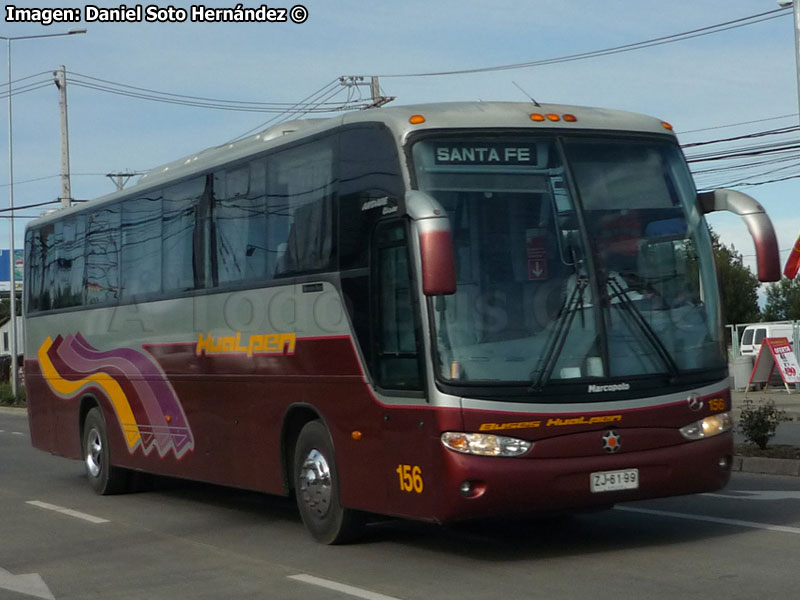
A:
[94,450]
[315,483]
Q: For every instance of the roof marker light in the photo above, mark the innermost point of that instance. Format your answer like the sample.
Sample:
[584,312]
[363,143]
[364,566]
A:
[666,126]
[553,117]
[570,118]
[537,117]
[416,119]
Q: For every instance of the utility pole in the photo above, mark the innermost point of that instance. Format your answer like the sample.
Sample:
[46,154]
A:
[378,100]
[786,4]
[797,46]
[375,90]
[120,179]
[60,79]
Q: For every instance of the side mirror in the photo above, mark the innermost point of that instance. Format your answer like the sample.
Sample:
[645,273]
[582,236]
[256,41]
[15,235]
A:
[435,244]
[755,217]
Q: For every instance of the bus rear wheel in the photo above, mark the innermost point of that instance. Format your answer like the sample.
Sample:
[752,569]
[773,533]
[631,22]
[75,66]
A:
[316,485]
[104,478]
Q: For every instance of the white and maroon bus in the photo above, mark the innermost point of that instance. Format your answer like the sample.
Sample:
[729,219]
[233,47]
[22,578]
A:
[438,312]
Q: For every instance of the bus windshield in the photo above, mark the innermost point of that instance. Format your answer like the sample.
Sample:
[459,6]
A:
[578,258]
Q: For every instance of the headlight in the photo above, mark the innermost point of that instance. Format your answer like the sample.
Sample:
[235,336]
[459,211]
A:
[483,444]
[708,427]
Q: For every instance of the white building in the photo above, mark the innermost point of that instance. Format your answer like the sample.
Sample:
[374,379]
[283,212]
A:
[5,337]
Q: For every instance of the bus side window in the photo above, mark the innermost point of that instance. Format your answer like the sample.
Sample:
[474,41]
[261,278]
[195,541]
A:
[102,255]
[67,281]
[181,269]
[300,190]
[41,253]
[140,258]
[241,224]
[397,355]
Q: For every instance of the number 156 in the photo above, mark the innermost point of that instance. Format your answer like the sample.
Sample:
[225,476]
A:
[410,478]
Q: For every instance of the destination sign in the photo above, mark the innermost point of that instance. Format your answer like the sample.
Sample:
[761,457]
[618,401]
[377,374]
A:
[485,153]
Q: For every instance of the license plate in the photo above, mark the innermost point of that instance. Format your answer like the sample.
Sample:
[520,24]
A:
[611,481]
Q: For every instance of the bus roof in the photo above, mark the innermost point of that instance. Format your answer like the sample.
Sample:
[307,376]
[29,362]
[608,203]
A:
[449,115]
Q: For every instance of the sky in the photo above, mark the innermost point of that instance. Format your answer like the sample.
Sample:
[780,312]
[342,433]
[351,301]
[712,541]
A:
[702,85]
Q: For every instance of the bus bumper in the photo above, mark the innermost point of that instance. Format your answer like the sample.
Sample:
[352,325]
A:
[517,487]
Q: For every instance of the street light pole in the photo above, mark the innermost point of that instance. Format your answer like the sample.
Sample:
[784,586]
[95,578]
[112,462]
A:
[12,295]
[12,292]
[796,10]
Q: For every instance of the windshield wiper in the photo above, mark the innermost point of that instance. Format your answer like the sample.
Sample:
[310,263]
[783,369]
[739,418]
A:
[558,337]
[625,301]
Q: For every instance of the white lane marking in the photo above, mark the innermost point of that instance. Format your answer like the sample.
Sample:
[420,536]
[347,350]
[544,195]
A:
[340,587]
[67,511]
[718,520]
[17,433]
[757,495]
[31,584]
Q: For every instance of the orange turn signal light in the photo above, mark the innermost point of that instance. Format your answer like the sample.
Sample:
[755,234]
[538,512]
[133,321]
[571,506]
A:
[538,117]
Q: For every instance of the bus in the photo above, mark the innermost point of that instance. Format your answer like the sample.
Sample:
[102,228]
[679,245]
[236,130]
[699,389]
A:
[439,312]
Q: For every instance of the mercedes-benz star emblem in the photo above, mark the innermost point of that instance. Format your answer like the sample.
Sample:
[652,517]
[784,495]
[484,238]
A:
[611,442]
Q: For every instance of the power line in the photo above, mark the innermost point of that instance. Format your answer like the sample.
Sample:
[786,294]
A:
[25,89]
[120,89]
[757,162]
[745,136]
[42,80]
[42,73]
[320,94]
[210,105]
[793,115]
[16,216]
[778,180]
[678,37]
[184,96]
[35,179]
[22,207]
[746,164]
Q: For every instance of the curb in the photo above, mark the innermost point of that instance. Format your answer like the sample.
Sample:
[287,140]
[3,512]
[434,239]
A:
[13,410]
[766,466]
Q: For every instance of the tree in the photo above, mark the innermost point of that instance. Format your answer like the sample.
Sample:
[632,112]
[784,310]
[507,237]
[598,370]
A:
[738,285]
[783,300]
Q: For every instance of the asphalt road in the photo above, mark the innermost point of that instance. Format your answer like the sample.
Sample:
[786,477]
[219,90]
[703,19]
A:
[183,540]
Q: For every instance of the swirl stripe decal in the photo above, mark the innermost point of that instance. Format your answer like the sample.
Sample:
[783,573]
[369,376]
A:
[148,410]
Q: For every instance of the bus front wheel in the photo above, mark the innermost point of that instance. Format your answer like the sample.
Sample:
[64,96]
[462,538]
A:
[104,478]
[316,485]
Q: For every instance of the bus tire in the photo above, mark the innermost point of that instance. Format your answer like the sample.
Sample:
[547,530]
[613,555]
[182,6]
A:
[104,478]
[316,485]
